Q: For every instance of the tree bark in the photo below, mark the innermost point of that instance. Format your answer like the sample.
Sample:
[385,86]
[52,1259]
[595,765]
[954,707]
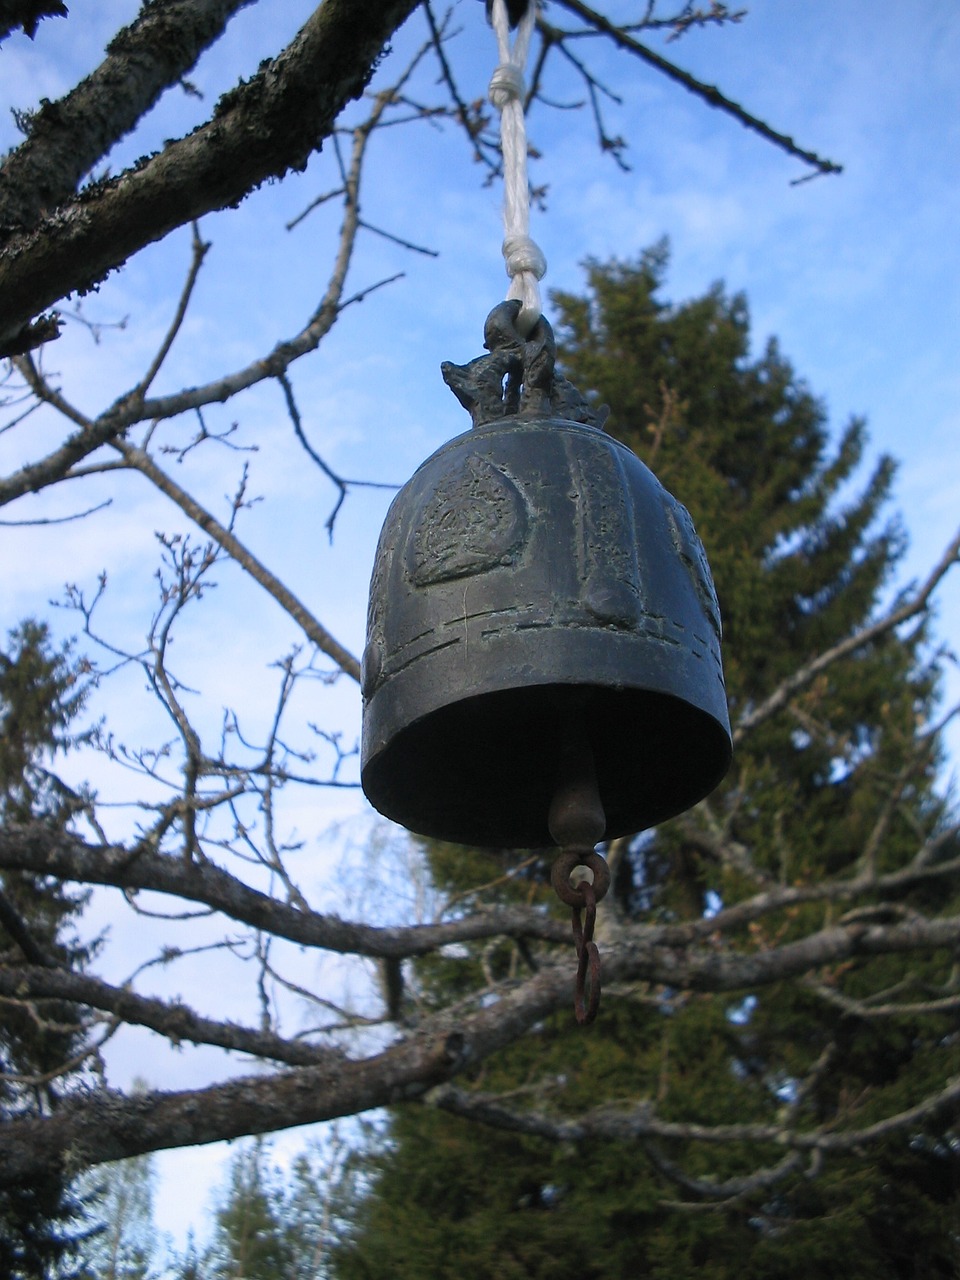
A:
[94,1129]
[262,129]
[42,850]
[67,138]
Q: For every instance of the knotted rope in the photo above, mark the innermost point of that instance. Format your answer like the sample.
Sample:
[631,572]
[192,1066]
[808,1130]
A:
[524,259]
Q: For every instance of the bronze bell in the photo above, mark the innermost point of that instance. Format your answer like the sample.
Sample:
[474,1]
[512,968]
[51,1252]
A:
[537,598]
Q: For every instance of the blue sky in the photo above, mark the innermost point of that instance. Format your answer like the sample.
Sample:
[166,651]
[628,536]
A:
[857,276]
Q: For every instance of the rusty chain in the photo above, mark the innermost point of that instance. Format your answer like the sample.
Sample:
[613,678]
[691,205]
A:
[586,999]
[583,898]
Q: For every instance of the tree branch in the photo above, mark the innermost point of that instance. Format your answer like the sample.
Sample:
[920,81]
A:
[66,138]
[28,14]
[675,955]
[17,929]
[139,460]
[93,1129]
[262,129]
[707,92]
[639,1123]
[172,1019]
[37,848]
[911,608]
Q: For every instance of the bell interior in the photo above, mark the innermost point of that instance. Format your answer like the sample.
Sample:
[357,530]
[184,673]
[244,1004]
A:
[482,770]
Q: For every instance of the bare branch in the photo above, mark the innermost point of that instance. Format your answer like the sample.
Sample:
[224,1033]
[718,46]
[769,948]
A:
[342,485]
[706,92]
[200,249]
[108,1126]
[640,1123]
[139,460]
[888,1009]
[77,515]
[19,931]
[473,119]
[265,127]
[169,1018]
[39,849]
[67,138]
[615,146]
[915,604]
[28,14]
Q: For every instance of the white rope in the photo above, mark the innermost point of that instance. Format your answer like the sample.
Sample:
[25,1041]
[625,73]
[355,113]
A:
[524,259]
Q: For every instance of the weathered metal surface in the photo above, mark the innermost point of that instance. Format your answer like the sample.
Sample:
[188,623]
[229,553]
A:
[586,991]
[534,575]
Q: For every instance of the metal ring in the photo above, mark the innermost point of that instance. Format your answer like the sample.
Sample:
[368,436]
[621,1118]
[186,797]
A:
[566,861]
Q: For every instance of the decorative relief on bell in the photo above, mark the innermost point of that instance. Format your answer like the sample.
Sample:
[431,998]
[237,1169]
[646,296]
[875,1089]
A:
[605,537]
[518,376]
[475,520]
[692,556]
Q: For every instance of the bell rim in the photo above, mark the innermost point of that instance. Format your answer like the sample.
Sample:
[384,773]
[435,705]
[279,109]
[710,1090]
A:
[387,773]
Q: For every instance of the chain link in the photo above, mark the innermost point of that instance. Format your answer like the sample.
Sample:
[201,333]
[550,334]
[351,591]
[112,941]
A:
[586,1000]
[583,898]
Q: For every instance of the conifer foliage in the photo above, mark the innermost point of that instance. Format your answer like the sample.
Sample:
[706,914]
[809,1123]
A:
[41,693]
[271,1223]
[715,1131]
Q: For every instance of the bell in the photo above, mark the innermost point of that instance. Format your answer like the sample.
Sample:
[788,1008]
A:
[537,599]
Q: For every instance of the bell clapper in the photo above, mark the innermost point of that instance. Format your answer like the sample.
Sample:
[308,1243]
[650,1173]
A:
[580,876]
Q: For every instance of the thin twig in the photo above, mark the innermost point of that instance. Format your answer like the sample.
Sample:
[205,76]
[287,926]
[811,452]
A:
[77,515]
[706,92]
[199,249]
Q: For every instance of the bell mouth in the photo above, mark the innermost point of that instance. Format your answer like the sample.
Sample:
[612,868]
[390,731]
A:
[483,770]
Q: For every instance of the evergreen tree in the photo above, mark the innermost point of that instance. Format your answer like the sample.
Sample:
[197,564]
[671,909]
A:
[188,1266]
[272,1223]
[837,784]
[41,693]
[321,1184]
[249,1241]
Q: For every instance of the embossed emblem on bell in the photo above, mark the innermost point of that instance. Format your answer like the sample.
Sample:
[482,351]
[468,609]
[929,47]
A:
[537,597]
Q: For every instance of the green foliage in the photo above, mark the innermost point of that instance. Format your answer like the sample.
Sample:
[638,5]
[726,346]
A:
[248,1241]
[843,776]
[270,1223]
[41,693]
